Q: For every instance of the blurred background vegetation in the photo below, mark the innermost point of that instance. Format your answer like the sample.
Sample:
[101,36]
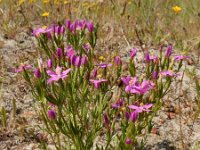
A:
[149,21]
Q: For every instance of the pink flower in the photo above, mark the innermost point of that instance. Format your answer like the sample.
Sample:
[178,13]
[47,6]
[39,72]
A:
[104,65]
[86,47]
[118,104]
[22,68]
[155,75]
[154,58]
[51,114]
[97,82]
[94,73]
[78,60]
[37,73]
[181,57]
[133,86]
[58,74]
[169,73]
[73,27]
[168,51]
[83,60]
[133,53]
[126,79]
[67,23]
[70,51]
[118,61]
[140,109]
[59,53]
[143,88]
[133,116]
[90,26]
[128,141]
[59,29]
[147,57]
[49,63]
[81,24]
[39,31]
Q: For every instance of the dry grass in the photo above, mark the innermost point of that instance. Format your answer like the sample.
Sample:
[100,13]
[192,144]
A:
[155,21]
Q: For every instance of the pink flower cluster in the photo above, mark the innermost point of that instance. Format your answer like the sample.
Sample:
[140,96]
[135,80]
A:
[75,60]
[134,87]
[73,27]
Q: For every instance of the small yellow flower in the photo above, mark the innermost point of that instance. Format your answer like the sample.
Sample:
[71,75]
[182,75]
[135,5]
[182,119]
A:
[45,1]
[21,2]
[101,58]
[45,14]
[176,9]
[66,2]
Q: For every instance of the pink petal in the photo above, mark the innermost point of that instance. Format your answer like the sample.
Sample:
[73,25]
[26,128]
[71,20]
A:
[51,73]
[66,71]
[50,80]
[133,107]
[147,106]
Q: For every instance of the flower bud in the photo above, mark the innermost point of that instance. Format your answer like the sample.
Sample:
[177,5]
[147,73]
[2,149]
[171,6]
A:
[62,29]
[127,115]
[147,57]
[59,53]
[133,53]
[90,26]
[134,116]
[155,75]
[94,73]
[117,61]
[37,73]
[73,27]
[128,141]
[106,121]
[51,114]
[49,35]
[77,61]
[168,51]
[49,64]
[84,60]
[57,30]
[67,23]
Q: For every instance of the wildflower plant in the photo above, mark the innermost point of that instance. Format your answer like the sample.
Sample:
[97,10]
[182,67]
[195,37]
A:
[76,92]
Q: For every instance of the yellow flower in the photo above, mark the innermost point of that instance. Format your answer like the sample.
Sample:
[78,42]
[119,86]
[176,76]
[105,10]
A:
[176,9]
[45,14]
[21,2]
[101,58]
[66,2]
[31,1]
[45,1]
